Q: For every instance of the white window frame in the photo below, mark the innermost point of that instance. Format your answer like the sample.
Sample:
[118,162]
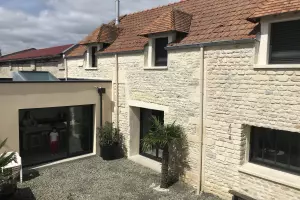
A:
[151,49]
[264,172]
[264,42]
[89,55]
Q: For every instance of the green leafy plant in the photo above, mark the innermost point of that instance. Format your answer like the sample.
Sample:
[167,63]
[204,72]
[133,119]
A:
[5,157]
[108,134]
[163,136]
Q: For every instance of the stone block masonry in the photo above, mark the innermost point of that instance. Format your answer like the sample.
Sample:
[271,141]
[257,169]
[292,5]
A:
[238,95]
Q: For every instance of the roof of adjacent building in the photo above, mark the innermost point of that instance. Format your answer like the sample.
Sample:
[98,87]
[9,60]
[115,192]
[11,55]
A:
[201,20]
[275,7]
[36,53]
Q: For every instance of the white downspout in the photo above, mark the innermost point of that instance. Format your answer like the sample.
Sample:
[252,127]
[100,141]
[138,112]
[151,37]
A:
[201,84]
[117,66]
[117,89]
[66,67]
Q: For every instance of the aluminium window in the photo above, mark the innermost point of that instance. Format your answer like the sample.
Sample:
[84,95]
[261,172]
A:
[161,54]
[285,42]
[275,148]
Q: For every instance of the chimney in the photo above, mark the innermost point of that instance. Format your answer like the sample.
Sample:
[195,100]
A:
[117,11]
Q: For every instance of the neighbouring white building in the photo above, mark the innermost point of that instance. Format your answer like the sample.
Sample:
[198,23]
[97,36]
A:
[47,59]
[227,71]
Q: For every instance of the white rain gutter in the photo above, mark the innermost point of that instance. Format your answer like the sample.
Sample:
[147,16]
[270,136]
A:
[201,126]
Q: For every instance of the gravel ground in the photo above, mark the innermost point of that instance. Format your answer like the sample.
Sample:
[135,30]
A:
[95,179]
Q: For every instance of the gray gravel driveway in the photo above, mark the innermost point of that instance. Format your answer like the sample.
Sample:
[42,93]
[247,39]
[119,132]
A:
[95,179]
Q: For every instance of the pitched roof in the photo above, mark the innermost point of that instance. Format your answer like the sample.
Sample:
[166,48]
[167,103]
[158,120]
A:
[77,51]
[36,53]
[105,33]
[171,20]
[212,20]
[273,7]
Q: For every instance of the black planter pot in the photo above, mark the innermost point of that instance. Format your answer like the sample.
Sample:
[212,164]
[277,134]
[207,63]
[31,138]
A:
[111,152]
[7,187]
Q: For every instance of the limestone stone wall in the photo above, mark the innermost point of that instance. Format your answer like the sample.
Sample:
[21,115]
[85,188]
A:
[238,95]
[77,68]
[176,88]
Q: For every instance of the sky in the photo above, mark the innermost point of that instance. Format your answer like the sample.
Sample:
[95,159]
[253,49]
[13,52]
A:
[45,23]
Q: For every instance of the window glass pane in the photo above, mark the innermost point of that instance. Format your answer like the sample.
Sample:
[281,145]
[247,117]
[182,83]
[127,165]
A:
[275,148]
[161,55]
[146,119]
[282,152]
[285,42]
[257,145]
[94,62]
[49,134]
[81,128]
[269,139]
[295,150]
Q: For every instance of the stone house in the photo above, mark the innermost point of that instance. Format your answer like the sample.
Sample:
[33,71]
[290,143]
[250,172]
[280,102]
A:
[227,71]
[47,59]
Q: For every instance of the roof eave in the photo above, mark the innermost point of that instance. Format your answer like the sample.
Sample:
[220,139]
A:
[212,43]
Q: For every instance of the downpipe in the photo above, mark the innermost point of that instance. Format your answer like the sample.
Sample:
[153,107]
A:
[201,127]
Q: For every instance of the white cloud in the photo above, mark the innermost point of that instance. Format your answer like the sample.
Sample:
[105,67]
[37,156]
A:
[60,21]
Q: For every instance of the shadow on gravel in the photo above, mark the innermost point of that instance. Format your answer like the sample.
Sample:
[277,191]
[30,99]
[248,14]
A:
[22,194]
[178,160]
[30,174]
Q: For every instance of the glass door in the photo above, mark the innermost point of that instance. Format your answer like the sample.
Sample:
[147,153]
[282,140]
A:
[146,120]
[50,134]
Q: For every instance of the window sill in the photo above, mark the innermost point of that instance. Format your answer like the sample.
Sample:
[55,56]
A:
[156,68]
[91,68]
[277,176]
[277,66]
[147,162]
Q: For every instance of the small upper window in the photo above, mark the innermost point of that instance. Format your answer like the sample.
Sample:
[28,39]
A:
[285,43]
[280,149]
[161,54]
[94,60]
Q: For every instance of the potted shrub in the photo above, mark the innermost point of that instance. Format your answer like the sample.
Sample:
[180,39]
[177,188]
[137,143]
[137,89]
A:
[163,136]
[8,183]
[109,141]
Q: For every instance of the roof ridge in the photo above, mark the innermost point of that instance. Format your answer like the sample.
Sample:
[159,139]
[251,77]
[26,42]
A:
[150,9]
[55,46]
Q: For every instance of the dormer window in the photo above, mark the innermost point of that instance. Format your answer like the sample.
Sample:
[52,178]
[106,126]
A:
[161,32]
[161,54]
[279,45]
[285,43]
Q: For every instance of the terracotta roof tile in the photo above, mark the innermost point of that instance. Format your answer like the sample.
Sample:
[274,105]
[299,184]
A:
[171,20]
[77,51]
[105,33]
[211,20]
[272,7]
[36,53]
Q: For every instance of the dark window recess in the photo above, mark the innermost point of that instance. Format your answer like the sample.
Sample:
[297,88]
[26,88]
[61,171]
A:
[146,124]
[94,61]
[285,43]
[275,148]
[161,55]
